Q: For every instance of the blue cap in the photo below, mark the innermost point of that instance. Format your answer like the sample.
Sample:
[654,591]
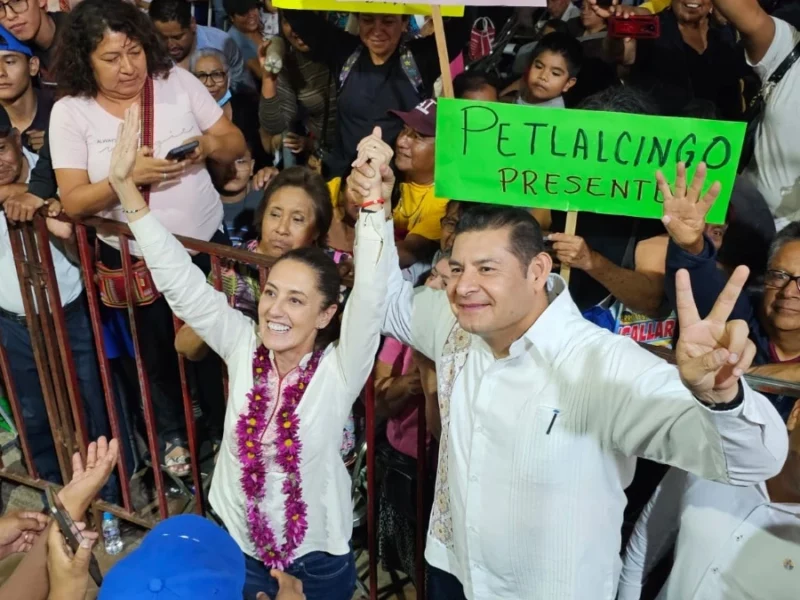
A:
[182,557]
[9,43]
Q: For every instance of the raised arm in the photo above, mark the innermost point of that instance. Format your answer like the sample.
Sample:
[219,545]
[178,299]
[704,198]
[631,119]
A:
[753,23]
[328,44]
[703,419]
[654,533]
[183,284]
[240,79]
[685,219]
[417,318]
[277,107]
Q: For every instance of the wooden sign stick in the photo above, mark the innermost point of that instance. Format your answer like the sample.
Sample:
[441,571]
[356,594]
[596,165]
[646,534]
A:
[441,48]
[569,229]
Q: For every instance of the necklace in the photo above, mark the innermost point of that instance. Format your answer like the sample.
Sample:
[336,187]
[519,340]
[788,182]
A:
[249,429]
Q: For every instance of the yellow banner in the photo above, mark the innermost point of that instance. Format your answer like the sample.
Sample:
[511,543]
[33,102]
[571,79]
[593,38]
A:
[395,8]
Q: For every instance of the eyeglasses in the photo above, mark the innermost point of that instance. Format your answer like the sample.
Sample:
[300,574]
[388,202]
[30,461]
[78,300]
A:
[216,76]
[16,6]
[780,279]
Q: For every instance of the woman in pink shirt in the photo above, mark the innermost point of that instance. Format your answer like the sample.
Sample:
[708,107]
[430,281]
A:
[110,57]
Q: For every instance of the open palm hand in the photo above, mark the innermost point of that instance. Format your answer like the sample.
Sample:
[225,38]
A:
[685,209]
[123,158]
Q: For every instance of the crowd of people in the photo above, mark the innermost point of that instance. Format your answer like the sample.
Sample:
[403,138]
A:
[566,460]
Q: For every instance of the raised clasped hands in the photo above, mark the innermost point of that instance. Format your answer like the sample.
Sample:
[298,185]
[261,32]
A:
[372,178]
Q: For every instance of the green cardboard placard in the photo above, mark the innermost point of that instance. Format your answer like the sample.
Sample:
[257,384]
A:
[580,160]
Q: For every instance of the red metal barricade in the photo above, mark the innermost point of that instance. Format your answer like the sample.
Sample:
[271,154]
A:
[62,398]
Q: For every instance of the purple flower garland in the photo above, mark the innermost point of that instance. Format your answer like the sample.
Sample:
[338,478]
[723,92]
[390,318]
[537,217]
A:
[251,426]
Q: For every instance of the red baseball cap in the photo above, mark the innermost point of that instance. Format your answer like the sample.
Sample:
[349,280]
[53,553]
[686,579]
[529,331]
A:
[422,118]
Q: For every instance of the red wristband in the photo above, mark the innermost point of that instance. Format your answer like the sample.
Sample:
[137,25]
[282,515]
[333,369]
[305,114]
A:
[368,203]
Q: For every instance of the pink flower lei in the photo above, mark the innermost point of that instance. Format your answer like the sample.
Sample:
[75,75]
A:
[249,430]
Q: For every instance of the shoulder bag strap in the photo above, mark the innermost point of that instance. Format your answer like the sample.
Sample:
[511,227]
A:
[147,126]
[779,73]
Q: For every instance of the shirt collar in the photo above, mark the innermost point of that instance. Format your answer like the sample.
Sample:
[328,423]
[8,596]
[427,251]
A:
[548,331]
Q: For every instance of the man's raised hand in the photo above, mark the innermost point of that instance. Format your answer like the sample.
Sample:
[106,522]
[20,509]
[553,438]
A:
[685,209]
[712,353]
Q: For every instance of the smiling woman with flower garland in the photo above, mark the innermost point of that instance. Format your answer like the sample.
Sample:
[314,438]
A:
[280,485]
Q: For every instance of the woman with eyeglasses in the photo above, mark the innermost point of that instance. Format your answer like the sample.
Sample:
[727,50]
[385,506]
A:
[210,66]
[109,58]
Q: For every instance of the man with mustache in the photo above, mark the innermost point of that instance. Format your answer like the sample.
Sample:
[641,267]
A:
[543,413]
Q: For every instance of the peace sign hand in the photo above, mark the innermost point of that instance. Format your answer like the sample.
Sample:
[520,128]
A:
[712,353]
[684,210]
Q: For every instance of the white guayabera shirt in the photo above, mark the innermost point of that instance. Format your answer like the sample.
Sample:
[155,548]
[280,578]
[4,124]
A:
[734,543]
[537,448]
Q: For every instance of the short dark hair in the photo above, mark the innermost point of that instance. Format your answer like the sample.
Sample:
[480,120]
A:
[312,184]
[166,11]
[790,233]
[329,283]
[525,238]
[564,45]
[85,27]
[239,7]
[623,99]
[469,82]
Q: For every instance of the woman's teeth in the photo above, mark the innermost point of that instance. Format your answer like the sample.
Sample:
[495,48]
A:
[279,327]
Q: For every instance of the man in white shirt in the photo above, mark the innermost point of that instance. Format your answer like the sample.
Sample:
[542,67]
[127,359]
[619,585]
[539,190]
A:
[775,168]
[543,413]
[16,163]
[734,543]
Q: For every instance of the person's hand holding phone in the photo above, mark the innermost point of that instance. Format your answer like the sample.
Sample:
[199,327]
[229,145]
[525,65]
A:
[295,143]
[88,480]
[19,530]
[206,144]
[68,570]
[154,171]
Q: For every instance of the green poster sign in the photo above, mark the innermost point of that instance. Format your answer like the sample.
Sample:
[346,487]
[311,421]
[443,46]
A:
[580,160]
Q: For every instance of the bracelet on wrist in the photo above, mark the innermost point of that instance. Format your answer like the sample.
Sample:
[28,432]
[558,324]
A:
[378,202]
[133,211]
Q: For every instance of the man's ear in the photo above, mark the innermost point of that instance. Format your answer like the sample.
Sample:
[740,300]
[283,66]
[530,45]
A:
[539,270]
[193,25]
[570,82]
[325,317]
[33,66]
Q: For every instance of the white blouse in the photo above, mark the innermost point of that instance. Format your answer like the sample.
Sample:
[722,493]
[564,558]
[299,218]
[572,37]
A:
[340,376]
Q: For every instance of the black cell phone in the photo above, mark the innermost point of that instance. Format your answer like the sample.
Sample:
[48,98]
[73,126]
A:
[181,152]
[70,531]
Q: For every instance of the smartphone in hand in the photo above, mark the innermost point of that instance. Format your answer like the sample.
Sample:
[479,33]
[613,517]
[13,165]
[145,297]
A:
[70,531]
[182,152]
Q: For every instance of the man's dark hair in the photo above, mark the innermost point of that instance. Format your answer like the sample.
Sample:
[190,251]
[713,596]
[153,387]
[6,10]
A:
[86,25]
[563,44]
[623,99]
[701,108]
[166,11]
[790,233]
[525,238]
[469,82]
[239,7]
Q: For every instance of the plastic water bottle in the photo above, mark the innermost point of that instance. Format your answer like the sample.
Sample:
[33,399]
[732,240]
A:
[111,535]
